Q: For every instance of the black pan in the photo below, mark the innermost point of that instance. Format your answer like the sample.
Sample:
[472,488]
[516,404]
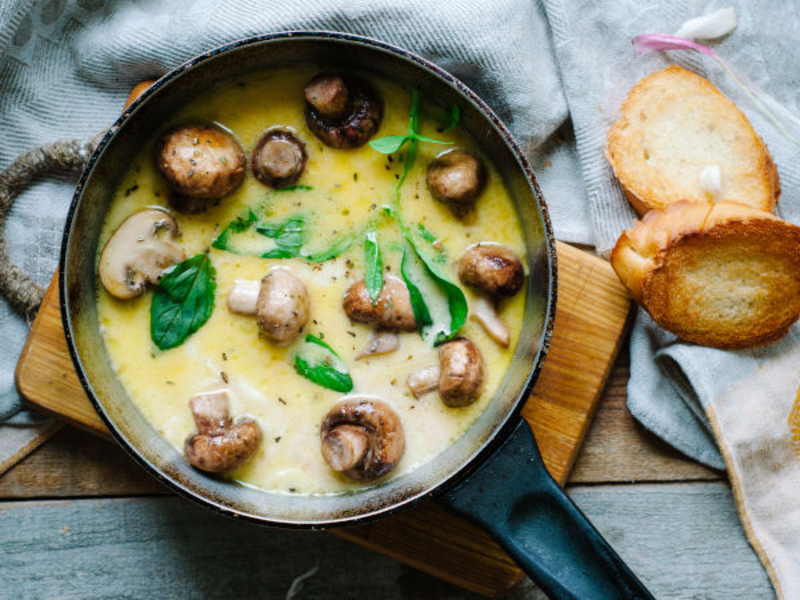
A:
[493,473]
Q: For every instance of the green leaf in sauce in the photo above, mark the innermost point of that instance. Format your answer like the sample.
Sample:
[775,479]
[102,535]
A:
[373,265]
[319,363]
[289,236]
[421,313]
[238,225]
[182,302]
[296,187]
[389,144]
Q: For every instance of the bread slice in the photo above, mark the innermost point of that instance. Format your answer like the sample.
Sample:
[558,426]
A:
[674,126]
[723,275]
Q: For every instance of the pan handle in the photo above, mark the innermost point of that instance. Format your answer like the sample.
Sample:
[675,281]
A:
[525,511]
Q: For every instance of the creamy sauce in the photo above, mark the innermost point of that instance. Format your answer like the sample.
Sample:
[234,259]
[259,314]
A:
[349,189]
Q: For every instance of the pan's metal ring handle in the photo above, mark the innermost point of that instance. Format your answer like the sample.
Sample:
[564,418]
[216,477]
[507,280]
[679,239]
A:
[16,286]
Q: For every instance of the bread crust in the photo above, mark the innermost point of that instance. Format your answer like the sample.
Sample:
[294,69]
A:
[649,185]
[723,275]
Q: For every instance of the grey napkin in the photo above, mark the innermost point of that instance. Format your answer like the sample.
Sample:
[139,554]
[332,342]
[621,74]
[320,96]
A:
[672,383]
[66,68]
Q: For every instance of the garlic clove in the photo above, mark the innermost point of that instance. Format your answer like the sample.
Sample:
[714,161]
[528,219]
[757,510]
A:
[709,27]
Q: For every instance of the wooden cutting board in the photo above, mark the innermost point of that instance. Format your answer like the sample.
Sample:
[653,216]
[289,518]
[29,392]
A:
[590,322]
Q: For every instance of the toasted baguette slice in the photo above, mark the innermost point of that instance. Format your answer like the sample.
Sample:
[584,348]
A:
[674,126]
[723,275]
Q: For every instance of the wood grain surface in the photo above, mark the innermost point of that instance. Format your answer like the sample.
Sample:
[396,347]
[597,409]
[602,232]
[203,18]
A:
[591,318]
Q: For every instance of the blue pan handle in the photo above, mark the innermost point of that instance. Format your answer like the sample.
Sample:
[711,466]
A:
[514,497]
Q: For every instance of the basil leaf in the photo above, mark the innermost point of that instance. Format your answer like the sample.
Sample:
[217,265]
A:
[426,233]
[373,265]
[421,313]
[422,138]
[239,225]
[289,237]
[320,364]
[389,144]
[182,302]
[292,188]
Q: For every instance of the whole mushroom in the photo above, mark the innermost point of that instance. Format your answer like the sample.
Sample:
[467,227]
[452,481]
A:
[279,158]
[458,377]
[138,252]
[391,310]
[283,305]
[492,269]
[200,162]
[219,445]
[456,178]
[343,111]
[362,438]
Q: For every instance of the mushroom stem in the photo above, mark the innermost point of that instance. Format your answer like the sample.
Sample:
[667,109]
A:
[424,381]
[345,446]
[211,412]
[381,342]
[485,314]
[243,297]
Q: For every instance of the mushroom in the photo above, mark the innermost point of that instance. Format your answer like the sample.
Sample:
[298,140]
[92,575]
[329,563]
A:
[138,252]
[279,158]
[243,297]
[391,310]
[456,178]
[343,111]
[458,377]
[283,305]
[491,268]
[200,163]
[219,445]
[484,312]
[381,342]
[362,438]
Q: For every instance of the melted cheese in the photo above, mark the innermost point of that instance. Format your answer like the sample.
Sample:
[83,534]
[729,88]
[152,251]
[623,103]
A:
[349,188]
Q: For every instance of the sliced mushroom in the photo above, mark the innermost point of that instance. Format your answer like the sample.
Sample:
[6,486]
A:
[381,342]
[200,163]
[279,158]
[485,314]
[362,438]
[461,365]
[283,305]
[458,377]
[391,310]
[456,178]
[424,381]
[243,297]
[491,268]
[343,111]
[138,252]
[219,445]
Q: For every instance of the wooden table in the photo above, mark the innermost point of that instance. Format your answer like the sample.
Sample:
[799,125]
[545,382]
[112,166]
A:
[79,519]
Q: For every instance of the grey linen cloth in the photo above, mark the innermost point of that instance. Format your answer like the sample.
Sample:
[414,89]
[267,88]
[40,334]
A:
[66,68]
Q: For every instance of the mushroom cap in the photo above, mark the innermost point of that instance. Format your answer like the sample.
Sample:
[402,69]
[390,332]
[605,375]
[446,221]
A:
[283,305]
[343,111]
[279,158]
[201,162]
[491,268]
[363,418]
[391,310]
[218,445]
[138,252]
[456,178]
[461,372]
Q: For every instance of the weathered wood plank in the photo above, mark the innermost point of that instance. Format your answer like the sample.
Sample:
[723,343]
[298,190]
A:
[682,539]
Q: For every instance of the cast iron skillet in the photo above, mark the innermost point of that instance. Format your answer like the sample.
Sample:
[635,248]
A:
[493,474]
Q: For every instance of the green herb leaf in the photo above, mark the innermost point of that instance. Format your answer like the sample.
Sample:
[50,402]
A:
[319,363]
[289,236]
[239,225]
[373,265]
[182,302]
[292,188]
[426,233]
[421,313]
[389,144]
[422,138]
[453,117]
